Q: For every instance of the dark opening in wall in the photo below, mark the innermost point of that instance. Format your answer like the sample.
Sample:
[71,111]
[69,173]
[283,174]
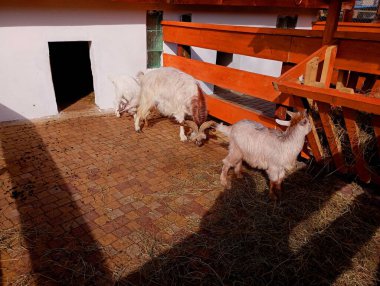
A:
[287,22]
[71,72]
[222,59]
[186,50]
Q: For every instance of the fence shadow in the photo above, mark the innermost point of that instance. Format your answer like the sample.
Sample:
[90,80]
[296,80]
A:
[245,240]
[61,248]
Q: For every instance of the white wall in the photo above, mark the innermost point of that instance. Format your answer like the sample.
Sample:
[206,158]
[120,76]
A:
[118,38]
[261,18]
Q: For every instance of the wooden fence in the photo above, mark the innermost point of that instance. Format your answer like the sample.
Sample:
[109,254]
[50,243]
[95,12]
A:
[354,55]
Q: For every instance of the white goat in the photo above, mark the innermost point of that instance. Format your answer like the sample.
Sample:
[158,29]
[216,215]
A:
[127,93]
[272,150]
[176,94]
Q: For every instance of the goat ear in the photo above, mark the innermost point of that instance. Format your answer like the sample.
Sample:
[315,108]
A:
[291,114]
[283,122]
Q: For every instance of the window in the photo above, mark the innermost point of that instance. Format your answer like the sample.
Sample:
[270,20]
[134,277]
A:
[287,22]
[154,38]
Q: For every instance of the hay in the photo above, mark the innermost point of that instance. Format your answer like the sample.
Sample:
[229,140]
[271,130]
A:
[321,232]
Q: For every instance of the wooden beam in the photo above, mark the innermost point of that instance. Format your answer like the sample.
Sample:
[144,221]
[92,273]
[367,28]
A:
[324,112]
[350,27]
[352,131]
[253,84]
[332,96]
[284,45]
[332,21]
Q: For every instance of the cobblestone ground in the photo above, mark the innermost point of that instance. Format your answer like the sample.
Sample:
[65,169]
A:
[87,195]
[87,201]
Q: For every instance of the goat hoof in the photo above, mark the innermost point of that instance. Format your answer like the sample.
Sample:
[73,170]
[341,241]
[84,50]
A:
[138,131]
[273,197]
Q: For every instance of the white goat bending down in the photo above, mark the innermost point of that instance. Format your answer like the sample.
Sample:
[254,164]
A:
[127,97]
[274,151]
[176,94]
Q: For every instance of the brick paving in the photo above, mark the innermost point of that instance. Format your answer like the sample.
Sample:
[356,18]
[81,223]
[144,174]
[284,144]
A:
[87,197]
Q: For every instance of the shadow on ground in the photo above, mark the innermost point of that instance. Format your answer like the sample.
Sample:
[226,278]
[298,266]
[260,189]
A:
[245,240]
[61,247]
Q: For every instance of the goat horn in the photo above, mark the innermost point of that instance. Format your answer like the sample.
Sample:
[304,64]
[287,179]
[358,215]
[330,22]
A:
[291,114]
[192,125]
[206,125]
[283,122]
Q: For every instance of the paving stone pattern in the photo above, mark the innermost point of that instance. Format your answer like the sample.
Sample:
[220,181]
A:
[88,198]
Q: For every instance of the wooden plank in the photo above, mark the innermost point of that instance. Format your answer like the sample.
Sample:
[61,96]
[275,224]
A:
[312,137]
[267,43]
[332,138]
[256,85]
[324,112]
[232,113]
[360,56]
[280,111]
[328,65]
[311,71]
[352,131]
[331,21]
[332,96]
[350,27]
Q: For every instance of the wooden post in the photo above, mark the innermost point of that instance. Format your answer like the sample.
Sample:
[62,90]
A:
[332,21]
[349,14]
[350,116]
[280,111]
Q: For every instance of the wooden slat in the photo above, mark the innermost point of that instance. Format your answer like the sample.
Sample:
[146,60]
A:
[332,96]
[352,131]
[312,137]
[350,27]
[232,113]
[280,111]
[267,43]
[332,138]
[256,85]
[328,65]
[360,56]
[324,112]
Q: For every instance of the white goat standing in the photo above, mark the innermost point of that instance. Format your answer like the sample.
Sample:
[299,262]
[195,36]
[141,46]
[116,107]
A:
[272,150]
[127,93]
[176,94]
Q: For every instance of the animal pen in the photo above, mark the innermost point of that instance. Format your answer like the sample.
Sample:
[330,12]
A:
[324,70]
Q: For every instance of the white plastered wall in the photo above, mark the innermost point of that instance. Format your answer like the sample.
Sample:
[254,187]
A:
[118,44]
[261,18]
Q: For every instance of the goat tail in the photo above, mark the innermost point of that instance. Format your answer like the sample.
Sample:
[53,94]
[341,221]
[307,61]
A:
[199,108]
[224,129]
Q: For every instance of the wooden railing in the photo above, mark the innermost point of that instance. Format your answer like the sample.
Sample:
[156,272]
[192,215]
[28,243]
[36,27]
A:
[356,52]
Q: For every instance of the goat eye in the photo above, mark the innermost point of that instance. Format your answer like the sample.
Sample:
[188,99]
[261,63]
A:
[304,121]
